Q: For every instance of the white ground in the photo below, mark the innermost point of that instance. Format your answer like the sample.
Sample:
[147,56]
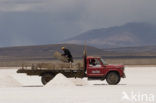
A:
[60,81]
[138,87]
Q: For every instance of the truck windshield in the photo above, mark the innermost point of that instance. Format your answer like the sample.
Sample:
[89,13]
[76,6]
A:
[103,62]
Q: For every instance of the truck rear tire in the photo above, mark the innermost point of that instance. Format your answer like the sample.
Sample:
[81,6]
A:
[113,78]
[46,78]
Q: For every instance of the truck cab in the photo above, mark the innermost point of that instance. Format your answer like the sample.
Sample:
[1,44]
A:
[97,68]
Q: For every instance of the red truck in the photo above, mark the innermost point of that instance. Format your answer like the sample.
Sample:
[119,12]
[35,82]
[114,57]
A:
[94,68]
[101,70]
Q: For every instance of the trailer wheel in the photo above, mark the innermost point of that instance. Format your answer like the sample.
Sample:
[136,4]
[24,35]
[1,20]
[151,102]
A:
[46,78]
[113,78]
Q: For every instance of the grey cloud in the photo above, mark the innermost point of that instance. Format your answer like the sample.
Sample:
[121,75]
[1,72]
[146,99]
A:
[50,21]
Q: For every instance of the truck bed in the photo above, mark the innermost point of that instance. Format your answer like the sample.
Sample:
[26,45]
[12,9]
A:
[64,68]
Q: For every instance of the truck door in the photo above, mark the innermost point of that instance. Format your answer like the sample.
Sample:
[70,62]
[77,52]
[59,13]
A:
[94,68]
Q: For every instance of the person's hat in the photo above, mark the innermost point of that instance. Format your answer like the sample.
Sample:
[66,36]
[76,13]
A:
[62,47]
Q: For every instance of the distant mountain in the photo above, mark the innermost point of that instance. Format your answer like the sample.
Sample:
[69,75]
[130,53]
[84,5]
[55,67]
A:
[45,51]
[28,55]
[130,34]
[132,51]
[42,52]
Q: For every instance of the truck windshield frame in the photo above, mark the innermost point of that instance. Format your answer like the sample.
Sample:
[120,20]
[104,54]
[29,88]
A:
[104,63]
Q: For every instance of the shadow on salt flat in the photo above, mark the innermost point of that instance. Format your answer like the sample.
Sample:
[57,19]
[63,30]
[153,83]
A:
[33,86]
[107,84]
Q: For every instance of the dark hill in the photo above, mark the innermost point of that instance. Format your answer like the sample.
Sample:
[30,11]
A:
[45,51]
[28,55]
[130,34]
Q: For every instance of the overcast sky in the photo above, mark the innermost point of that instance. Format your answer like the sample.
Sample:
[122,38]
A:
[32,22]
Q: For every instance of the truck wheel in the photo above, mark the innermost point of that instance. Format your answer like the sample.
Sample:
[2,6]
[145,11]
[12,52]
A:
[46,78]
[113,78]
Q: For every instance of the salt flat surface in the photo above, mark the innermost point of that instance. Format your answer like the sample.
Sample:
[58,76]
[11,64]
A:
[8,81]
[79,81]
[60,81]
[139,81]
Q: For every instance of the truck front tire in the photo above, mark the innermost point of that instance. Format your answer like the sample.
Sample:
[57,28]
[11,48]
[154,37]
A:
[46,78]
[113,78]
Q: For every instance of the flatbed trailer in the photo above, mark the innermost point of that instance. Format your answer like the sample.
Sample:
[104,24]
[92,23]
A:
[41,72]
[48,73]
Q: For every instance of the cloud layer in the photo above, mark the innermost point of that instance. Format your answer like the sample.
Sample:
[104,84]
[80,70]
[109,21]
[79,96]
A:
[28,22]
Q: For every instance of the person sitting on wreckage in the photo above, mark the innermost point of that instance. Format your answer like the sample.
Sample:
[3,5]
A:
[67,54]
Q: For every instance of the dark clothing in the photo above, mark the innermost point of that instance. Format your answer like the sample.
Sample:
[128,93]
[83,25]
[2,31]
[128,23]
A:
[93,62]
[68,54]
